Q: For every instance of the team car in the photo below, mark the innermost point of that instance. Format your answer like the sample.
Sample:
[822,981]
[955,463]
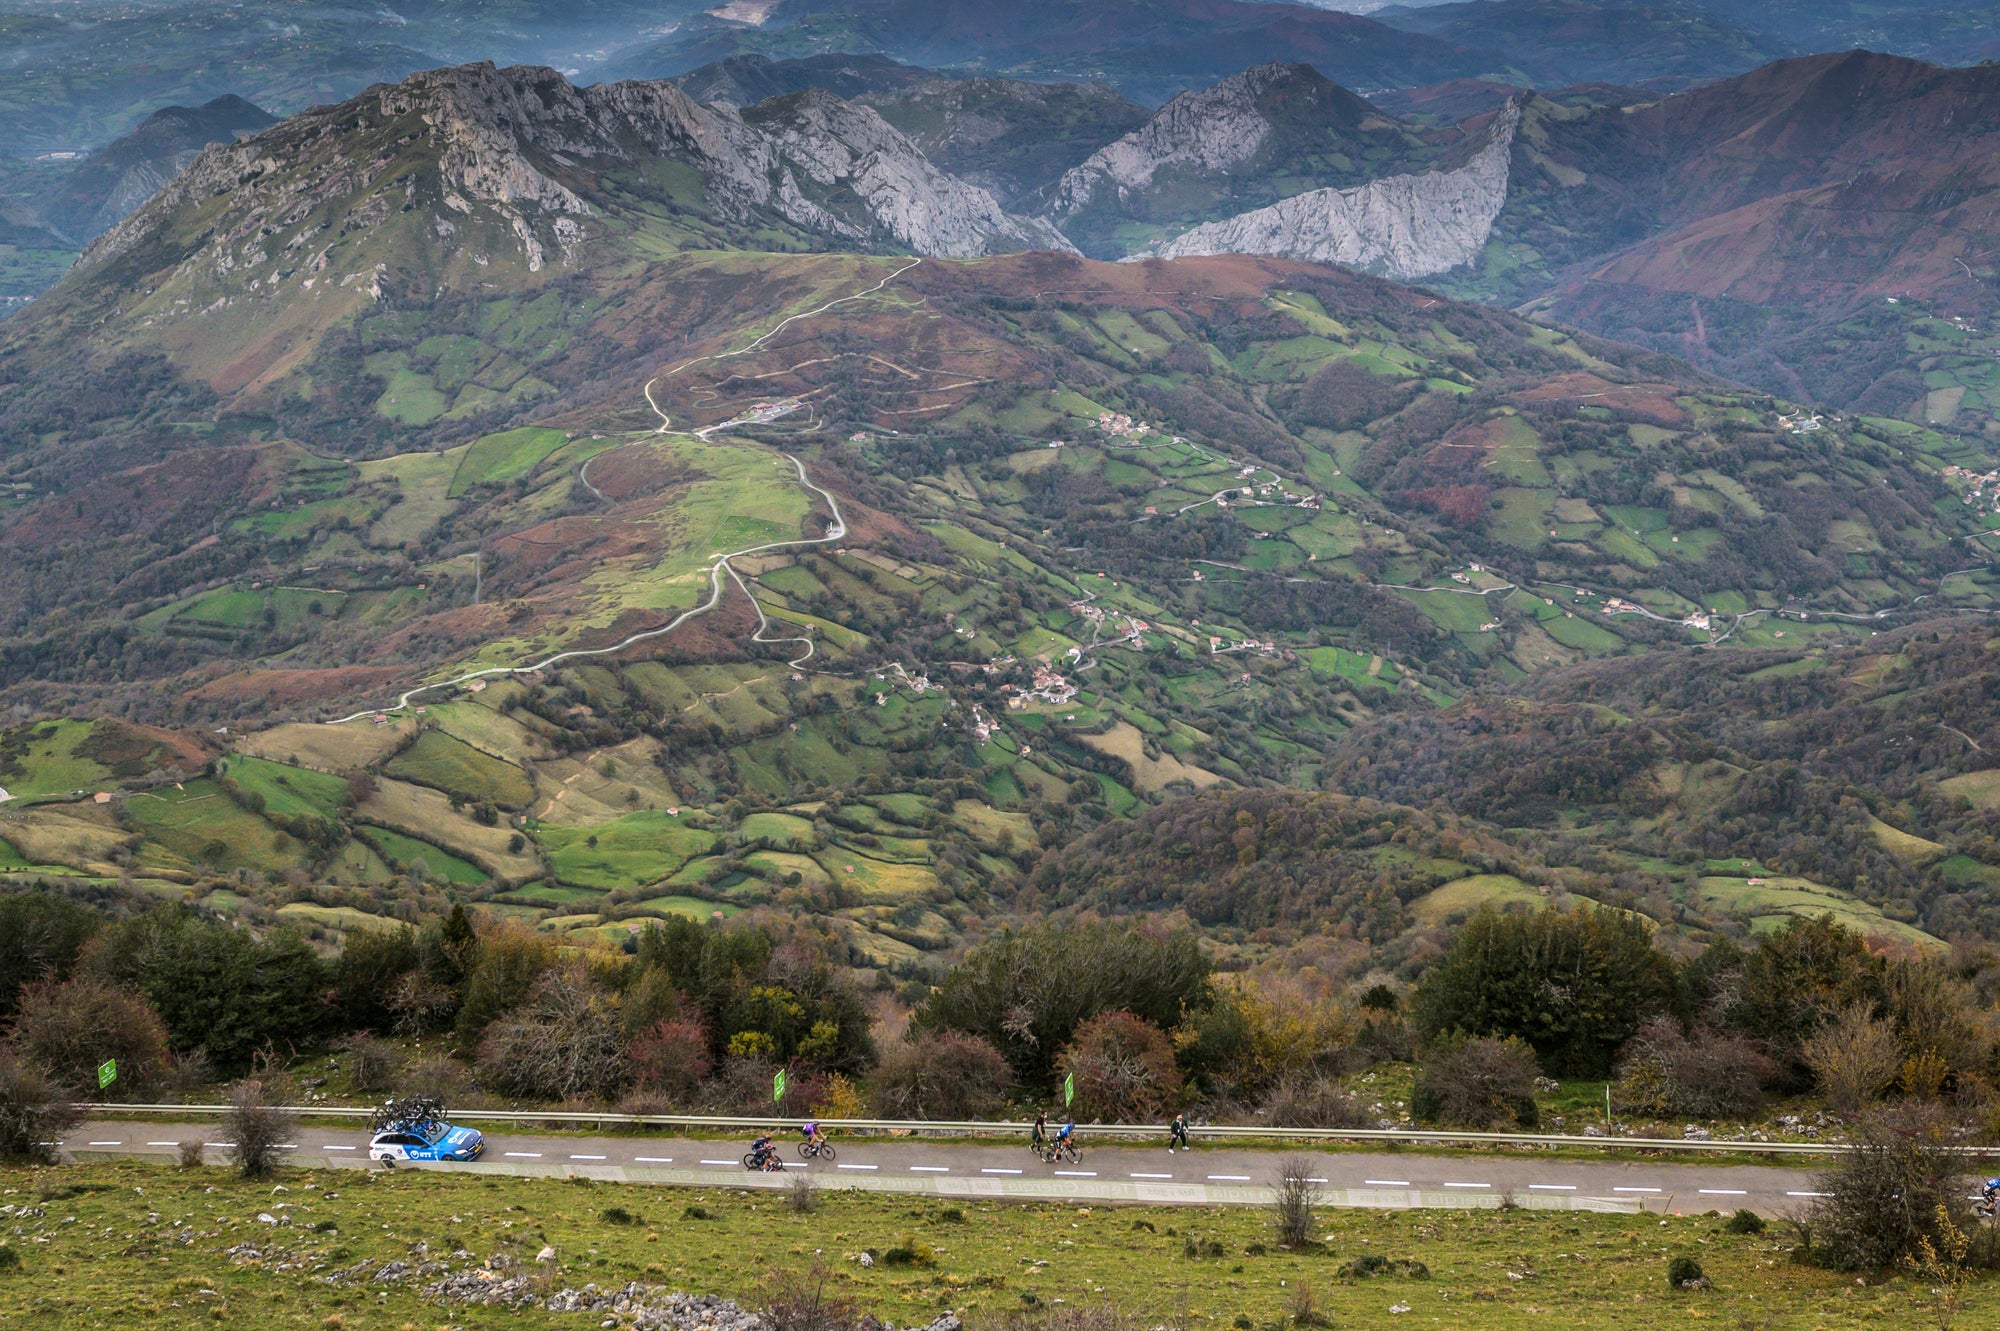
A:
[416,1129]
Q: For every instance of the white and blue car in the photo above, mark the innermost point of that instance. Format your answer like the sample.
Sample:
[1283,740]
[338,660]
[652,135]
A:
[429,1139]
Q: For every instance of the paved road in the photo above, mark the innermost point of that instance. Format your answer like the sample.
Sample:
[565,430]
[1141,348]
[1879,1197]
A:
[1206,1176]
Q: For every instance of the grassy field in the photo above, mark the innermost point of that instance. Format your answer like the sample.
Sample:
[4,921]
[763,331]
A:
[198,824]
[455,767]
[41,759]
[405,851]
[289,790]
[505,457]
[634,850]
[118,1245]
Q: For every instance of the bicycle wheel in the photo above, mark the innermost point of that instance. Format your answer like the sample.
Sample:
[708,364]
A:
[826,1151]
[1071,1154]
[750,1161]
[807,1151]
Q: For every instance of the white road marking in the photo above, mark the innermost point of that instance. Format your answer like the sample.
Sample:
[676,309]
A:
[1808,1194]
[586,1157]
[339,1148]
[1552,1187]
[1229,1178]
[177,1144]
[1723,1192]
[794,1164]
[654,1159]
[1387,1182]
[107,1143]
[857,1166]
[721,1162]
[1319,1180]
[1152,1176]
[1076,1173]
[1635,1189]
[226,1146]
[999,1171]
[524,1155]
[1468,1185]
[930,1169]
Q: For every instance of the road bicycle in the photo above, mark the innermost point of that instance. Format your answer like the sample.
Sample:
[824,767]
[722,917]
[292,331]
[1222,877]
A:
[770,1164]
[1057,1153]
[817,1149]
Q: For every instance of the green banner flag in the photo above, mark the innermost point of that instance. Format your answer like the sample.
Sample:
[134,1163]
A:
[107,1072]
[1069,1090]
[778,1086]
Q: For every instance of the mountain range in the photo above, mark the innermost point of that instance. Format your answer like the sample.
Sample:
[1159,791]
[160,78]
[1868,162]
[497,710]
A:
[595,501]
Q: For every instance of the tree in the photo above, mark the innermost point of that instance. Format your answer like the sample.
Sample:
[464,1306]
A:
[40,937]
[74,1027]
[1123,1067]
[1797,977]
[509,960]
[218,988]
[1854,1056]
[1027,992]
[372,963]
[1483,1084]
[1575,986]
[945,1075]
[562,1044]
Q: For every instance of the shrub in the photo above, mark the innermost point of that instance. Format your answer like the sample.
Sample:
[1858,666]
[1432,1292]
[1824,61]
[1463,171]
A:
[1884,1193]
[801,1193]
[373,1065]
[1294,1198]
[191,1154]
[1375,1264]
[40,937]
[1685,1273]
[672,1057]
[1708,1075]
[71,1028]
[34,1108]
[800,1301]
[1482,1084]
[258,1123]
[10,1260]
[1314,1102]
[910,1252]
[1745,1222]
[1854,1057]
[617,1215]
[1124,1068]
[940,1075]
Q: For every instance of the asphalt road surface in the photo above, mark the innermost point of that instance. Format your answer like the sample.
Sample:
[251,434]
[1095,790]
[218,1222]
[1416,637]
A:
[1149,1174]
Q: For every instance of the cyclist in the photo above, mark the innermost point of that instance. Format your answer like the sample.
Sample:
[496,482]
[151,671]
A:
[1038,1136]
[1989,1196]
[813,1136]
[1066,1135]
[761,1152]
[1177,1134]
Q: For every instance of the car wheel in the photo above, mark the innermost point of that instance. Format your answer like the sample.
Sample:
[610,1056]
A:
[388,1161]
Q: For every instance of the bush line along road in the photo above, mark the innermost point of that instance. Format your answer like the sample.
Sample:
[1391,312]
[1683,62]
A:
[1211,1176]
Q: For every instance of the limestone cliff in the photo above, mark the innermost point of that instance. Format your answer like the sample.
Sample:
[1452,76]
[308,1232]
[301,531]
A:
[1402,226]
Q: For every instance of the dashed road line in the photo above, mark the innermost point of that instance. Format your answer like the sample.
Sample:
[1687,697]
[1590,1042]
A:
[1619,1189]
[1552,1187]
[1167,1176]
[999,1171]
[107,1143]
[339,1148]
[721,1162]
[1468,1185]
[857,1166]
[930,1169]
[1228,1178]
[524,1155]
[1076,1173]
[652,1159]
[1723,1192]
[177,1144]
[1808,1194]
[586,1157]
[1387,1182]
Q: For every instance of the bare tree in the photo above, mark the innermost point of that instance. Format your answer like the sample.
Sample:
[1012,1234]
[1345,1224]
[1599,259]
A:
[259,1125]
[1855,1057]
[1294,1197]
